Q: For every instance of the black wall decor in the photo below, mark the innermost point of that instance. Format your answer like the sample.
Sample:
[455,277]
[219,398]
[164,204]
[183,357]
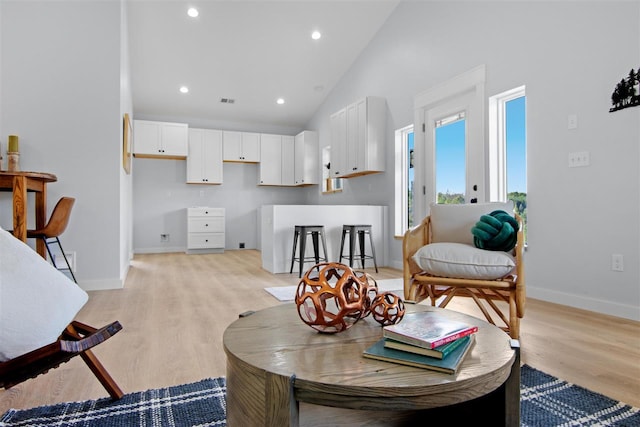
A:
[627,92]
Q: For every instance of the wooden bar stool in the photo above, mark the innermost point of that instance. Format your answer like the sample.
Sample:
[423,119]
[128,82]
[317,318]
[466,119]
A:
[360,230]
[301,232]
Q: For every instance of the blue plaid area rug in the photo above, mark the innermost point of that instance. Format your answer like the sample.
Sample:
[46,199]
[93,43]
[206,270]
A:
[202,403]
[546,401]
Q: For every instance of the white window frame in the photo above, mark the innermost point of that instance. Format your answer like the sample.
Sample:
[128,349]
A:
[402,180]
[498,142]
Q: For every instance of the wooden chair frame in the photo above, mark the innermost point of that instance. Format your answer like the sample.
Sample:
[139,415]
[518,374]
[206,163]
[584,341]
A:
[489,295]
[76,340]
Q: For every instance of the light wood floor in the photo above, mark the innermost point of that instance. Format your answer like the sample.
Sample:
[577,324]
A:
[175,307]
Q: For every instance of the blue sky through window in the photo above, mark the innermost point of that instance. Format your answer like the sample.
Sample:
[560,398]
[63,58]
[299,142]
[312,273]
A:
[516,145]
[450,158]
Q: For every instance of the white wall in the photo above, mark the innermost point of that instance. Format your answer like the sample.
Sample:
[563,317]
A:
[570,55]
[126,180]
[61,93]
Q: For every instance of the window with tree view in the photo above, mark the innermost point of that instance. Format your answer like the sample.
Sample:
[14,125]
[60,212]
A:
[516,155]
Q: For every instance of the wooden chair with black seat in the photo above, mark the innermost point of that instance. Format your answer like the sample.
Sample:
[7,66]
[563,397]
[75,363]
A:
[38,305]
[51,232]
[443,257]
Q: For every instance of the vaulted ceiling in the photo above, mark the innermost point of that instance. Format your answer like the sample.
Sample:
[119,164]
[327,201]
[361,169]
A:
[249,53]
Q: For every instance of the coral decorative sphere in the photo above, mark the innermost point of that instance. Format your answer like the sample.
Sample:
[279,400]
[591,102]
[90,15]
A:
[331,297]
[387,308]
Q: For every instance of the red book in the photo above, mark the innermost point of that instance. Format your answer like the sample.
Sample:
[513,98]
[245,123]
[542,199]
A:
[428,329]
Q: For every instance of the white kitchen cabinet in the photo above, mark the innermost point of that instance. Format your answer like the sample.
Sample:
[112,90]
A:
[277,159]
[288,171]
[338,124]
[358,136]
[306,158]
[241,146]
[160,139]
[204,160]
[205,230]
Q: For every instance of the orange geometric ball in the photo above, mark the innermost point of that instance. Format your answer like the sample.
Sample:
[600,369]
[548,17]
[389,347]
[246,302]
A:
[331,297]
[387,308]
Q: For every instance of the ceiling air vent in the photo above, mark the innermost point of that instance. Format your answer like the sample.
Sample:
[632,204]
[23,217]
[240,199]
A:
[227,100]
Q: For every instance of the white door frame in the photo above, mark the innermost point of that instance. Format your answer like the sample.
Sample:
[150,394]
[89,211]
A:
[461,93]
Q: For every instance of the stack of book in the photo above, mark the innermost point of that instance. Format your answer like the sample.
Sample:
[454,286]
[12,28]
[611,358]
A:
[425,340]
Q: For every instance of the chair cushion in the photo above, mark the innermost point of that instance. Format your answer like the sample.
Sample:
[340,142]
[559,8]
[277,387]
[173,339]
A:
[462,261]
[453,223]
[37,302]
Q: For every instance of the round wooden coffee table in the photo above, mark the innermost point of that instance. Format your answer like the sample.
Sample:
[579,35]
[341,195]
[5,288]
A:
[281,372]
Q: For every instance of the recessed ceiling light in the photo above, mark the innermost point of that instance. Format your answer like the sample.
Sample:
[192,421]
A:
[316,35]
[184,89]
[193,12]
[280,101]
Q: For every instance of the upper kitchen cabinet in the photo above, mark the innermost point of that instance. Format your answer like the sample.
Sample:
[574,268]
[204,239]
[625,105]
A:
[357,138]
[204,162]
[306,158]
[161,140]
[277,159]
[241,146]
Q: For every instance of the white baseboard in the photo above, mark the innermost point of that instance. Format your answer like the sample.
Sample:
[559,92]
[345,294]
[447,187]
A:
[160,250]
[625,311]
[101,285]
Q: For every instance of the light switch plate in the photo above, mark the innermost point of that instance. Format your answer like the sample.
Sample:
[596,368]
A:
[579,159]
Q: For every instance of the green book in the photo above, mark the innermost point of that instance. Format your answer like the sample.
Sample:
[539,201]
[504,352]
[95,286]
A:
[438,352]
[449,364]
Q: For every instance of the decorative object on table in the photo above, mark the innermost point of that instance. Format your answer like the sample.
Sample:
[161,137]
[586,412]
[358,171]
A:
[13,154]
[448,365]
[439,352]
[627,92]
[428,329]
[371,291]
[331,297]
[496,231]
[387,308]
[126,143]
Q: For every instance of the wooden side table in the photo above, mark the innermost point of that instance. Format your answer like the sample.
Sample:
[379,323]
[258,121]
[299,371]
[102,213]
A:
[281,372]
[20,183]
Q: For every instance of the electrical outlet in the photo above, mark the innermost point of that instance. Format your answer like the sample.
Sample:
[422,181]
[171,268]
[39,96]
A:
[617,262]
[241,245]
[572,121]
[164,238]
[579,159]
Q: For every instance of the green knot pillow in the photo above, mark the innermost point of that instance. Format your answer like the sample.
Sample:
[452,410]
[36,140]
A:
[496,231]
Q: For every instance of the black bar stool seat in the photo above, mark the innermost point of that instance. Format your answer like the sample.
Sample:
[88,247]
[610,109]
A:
[301,232]
[358,230]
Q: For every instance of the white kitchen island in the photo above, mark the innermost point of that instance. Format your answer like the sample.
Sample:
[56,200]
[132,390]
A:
[277,224]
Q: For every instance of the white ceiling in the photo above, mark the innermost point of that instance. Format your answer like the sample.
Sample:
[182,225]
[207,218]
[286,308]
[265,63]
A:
[251,51]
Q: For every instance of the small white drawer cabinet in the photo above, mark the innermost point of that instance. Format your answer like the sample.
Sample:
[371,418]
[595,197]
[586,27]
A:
[205,230]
